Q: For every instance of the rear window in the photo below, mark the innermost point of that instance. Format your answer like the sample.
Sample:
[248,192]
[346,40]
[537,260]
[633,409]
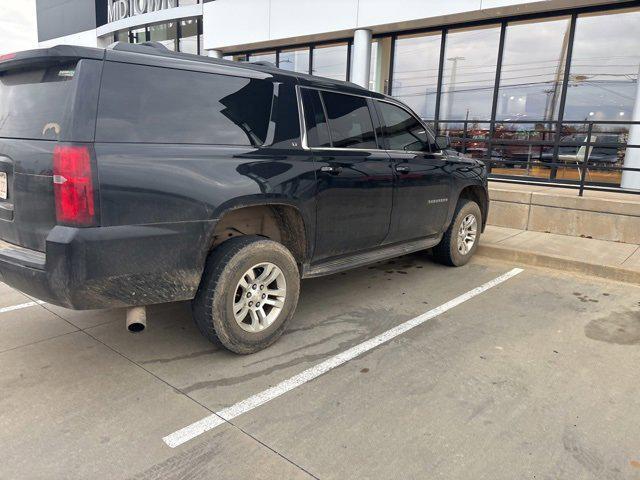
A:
[35,103]
[159,105]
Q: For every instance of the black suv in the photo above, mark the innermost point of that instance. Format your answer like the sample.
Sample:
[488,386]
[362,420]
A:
[134,175]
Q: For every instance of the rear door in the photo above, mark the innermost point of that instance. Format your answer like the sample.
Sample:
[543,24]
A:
[355,180]
[43,102]
[423,182]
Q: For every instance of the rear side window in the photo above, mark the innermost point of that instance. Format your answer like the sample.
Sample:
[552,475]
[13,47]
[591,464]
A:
[35,103]
[402,130]
[316,122]
[350,124]
[159,105]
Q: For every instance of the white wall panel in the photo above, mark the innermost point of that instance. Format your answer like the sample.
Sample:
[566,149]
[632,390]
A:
[235,22]
[229,24]
[290,18]
[82,39]
[377,12]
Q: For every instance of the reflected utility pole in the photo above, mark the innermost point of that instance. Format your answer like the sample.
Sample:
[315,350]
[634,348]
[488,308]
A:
[562,64]
[452,82]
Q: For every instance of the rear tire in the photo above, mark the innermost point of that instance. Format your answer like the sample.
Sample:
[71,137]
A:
[247,295]
[460,241]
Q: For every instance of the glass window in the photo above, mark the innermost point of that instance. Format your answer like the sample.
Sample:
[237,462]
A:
[35,103]
[121,36]
[166,34]
[189,36]
[415,72]
[137,104]
[236,58]
[604,67]
[139,35]
[330,61]
[296,60]
[315,120]
[469,73]
[287,120]
[533,69]
[263,57]
[402,130]
[380,63]
[350,123]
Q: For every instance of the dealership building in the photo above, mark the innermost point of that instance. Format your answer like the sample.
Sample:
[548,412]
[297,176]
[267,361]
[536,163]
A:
[524,84]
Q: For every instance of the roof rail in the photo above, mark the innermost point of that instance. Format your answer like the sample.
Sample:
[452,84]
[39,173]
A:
[264,63]
[145,47]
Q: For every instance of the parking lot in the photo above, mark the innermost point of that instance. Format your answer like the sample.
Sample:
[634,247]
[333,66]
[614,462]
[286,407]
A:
[536,377]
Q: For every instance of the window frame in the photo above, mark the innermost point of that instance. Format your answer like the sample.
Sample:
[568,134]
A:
[373,114]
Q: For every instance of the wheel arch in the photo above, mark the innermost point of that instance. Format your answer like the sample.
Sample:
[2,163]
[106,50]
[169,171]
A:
[478,194]
[475,192]
[278,221]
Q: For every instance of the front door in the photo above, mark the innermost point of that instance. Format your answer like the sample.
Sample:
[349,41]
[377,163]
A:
[354,177]
[423,181]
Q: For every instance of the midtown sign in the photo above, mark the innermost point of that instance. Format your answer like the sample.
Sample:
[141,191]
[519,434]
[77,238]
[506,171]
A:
[119,9]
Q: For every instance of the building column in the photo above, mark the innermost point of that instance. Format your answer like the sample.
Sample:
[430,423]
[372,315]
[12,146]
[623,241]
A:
[631,180]
[361,60]
[214,53]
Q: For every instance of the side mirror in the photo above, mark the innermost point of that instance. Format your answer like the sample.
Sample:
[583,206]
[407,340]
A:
[443,142]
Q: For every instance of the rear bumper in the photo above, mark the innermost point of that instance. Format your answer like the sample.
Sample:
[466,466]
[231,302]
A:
[103,267]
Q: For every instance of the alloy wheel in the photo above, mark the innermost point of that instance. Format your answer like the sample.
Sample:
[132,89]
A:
[467,234]
[259,297]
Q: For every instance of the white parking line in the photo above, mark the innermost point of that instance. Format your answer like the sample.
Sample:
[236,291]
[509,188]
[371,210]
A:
[201,426]
[22,305]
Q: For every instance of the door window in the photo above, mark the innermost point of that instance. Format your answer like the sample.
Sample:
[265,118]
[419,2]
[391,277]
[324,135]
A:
[350,124]
[402,130]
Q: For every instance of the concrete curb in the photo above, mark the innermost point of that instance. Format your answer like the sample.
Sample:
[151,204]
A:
[609,272]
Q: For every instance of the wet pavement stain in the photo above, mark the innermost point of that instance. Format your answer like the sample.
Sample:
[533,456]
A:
[622,328]
[187,356]
[584,298]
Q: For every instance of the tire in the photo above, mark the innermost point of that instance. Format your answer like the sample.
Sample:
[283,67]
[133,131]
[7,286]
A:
[449,251]
[221,292]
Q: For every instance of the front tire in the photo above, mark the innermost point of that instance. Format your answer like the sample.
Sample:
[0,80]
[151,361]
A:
[248,293]
[460,241]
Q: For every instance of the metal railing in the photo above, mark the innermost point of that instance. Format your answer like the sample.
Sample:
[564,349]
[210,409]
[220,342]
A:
[593,149]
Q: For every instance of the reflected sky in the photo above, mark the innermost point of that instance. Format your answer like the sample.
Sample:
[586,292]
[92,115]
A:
[604,67]
[330,61]
[415,72]
[533,69]
[295,60]
[469,73]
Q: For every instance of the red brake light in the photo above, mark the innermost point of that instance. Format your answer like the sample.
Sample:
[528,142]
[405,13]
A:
[7,56]
[73,185]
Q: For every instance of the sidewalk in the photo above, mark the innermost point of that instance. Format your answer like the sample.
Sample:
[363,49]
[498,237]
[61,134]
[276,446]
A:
[602,258]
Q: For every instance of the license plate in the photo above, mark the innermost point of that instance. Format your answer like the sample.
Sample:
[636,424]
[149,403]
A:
[3,185]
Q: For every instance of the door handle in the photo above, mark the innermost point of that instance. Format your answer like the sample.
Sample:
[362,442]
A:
[332,169]
[402,169]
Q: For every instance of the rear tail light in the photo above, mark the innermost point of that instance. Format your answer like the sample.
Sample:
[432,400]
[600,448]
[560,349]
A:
[73,185]
[7,56]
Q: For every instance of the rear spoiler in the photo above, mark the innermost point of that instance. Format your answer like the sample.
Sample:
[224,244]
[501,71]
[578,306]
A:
[57,54]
